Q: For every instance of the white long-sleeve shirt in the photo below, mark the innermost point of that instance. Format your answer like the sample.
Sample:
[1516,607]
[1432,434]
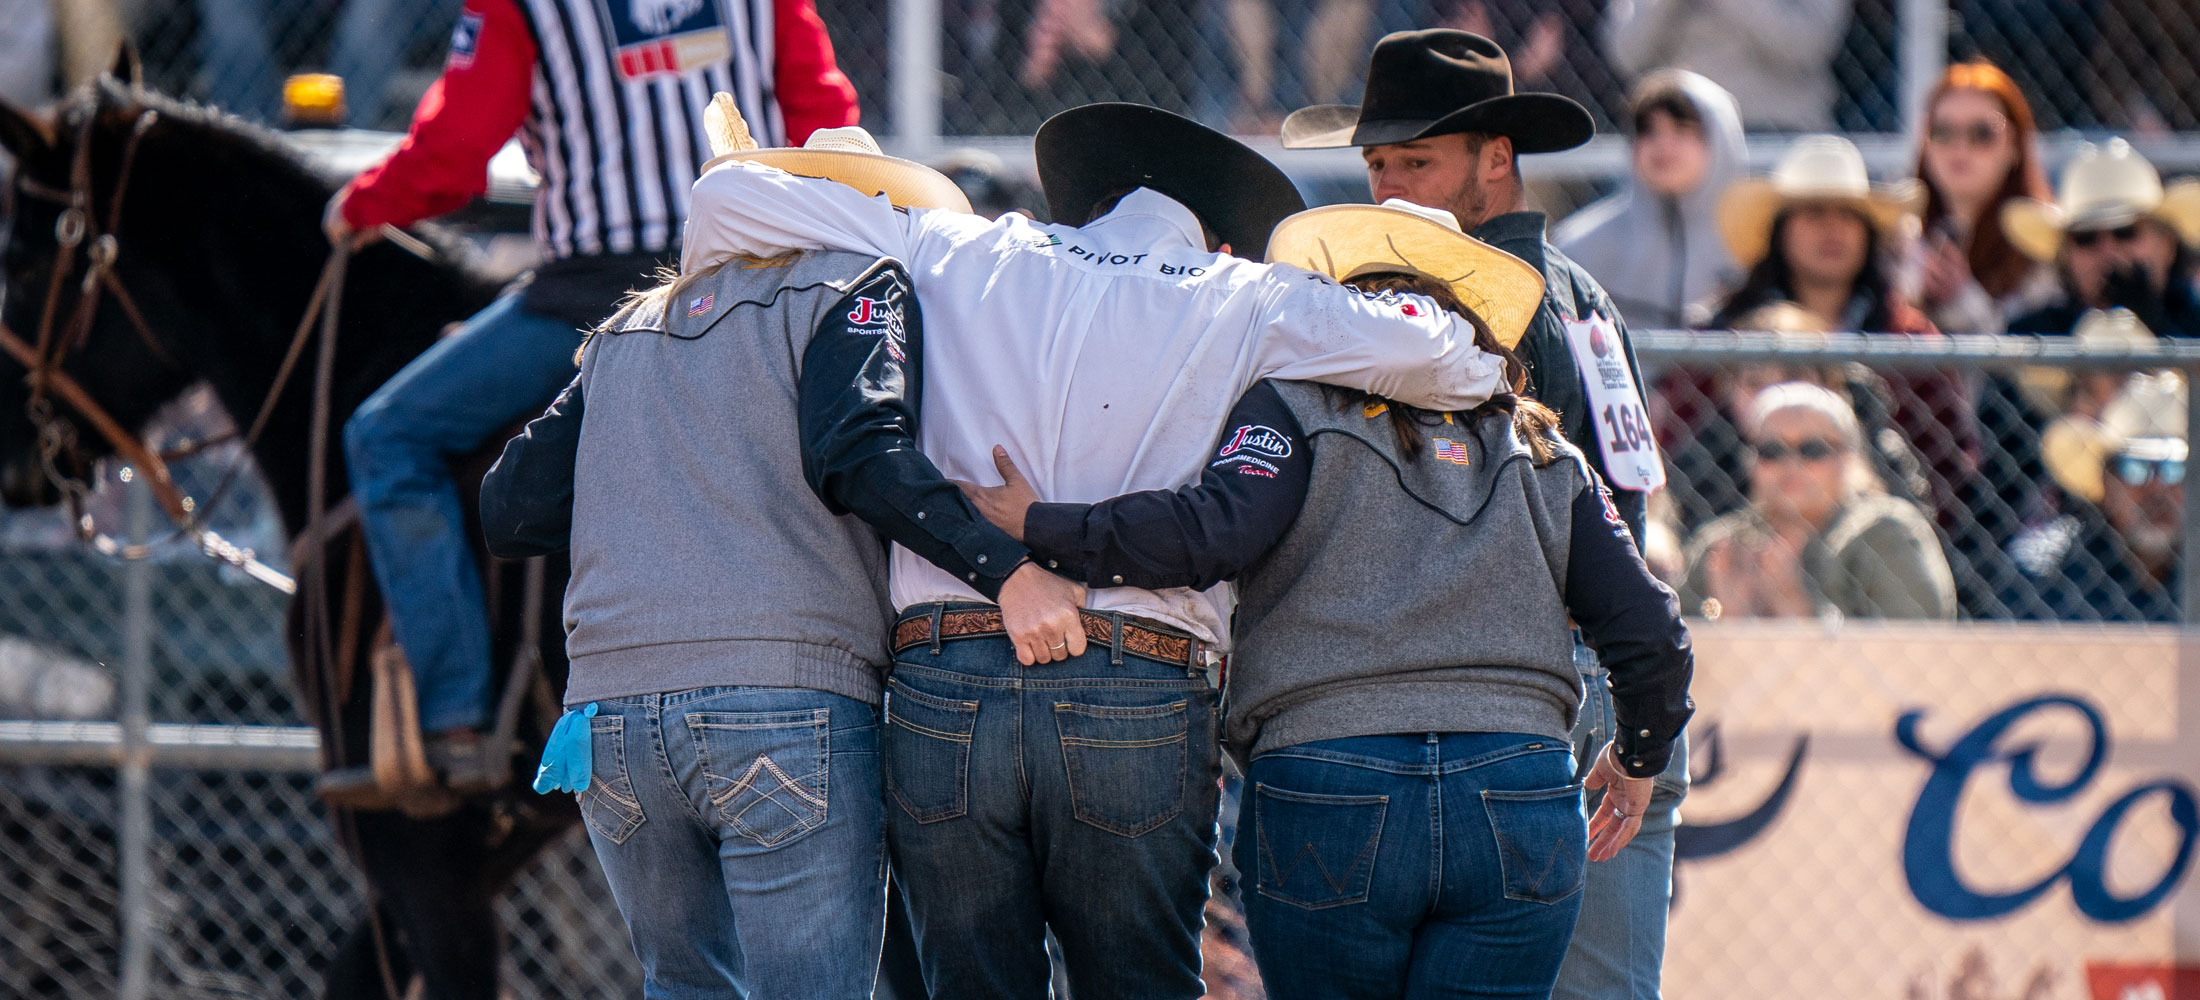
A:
[1104,357]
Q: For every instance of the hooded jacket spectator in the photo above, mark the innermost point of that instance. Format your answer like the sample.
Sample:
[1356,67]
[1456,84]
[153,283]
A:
[1657,255]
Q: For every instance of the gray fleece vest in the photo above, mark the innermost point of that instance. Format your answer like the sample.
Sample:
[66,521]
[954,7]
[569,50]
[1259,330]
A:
[700,556]
[1411,595]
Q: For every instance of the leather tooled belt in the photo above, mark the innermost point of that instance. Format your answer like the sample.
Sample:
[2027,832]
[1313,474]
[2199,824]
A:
[1140,640]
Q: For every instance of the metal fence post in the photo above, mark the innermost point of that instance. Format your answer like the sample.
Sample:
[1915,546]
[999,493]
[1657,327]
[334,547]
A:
[2189,594]
[917,38]
[1924,54]
[134,786]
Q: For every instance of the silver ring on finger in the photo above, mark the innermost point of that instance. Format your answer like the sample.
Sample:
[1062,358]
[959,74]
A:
[1059,645]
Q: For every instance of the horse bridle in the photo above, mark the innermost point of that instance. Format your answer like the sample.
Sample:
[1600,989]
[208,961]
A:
[48,382]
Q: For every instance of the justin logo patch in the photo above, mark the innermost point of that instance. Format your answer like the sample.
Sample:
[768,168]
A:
[700,304]
[881,316]
[868,311]
[1451,451]
[662,38]
[1258,439]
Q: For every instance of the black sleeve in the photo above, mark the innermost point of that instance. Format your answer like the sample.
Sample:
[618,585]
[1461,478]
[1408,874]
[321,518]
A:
[862,380]
[527,497]
[1634,624]
[1196,536]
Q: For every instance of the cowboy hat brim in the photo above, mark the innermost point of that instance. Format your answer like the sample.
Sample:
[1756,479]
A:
[1536,123]
[2036,228]
[906,183]
[1087,153]
[1346,240]
[1749,206]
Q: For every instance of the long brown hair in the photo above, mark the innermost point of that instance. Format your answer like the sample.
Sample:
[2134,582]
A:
[1536,424]
[1995,262]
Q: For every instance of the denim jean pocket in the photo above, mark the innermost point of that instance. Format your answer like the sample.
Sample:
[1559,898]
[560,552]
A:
[1542,841]
[608,803]
[1316,851]
[928,752]
[1126,765]
[764,771]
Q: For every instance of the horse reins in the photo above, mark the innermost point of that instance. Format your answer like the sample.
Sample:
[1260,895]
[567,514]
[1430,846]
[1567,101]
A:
[49,383]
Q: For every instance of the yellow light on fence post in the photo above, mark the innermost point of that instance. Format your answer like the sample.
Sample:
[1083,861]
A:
[314,99]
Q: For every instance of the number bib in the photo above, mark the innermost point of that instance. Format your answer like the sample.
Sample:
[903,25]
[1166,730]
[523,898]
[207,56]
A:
[1623,425]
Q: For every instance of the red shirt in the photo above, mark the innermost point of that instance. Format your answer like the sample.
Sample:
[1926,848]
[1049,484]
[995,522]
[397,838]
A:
[484,96]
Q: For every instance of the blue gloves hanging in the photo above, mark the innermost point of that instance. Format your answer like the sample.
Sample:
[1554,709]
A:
[567,763]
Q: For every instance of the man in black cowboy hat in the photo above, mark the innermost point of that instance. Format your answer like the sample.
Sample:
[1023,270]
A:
[1440,126]
[1043,783]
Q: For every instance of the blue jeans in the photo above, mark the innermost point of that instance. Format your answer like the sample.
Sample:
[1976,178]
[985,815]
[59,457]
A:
[743,833]
[1427,865]
[1077,796]
[1618,951]
[503,365]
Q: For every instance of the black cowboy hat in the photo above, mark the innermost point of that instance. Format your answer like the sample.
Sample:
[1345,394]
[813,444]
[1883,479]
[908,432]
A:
[1087,153]
[1440,82]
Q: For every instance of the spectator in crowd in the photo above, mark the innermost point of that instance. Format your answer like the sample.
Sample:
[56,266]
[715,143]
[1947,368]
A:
[2119,239]
[1289,53]
[1654,244]
[374,40]
[1780,55]
[1818,535]
[26,52]
[2110,554]
[1707,453]
[1980,153]
[2142,73]
[237,61]
[1816,233]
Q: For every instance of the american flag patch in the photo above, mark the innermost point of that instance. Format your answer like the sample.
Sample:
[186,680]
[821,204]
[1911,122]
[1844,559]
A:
[1451,451]
[700,306]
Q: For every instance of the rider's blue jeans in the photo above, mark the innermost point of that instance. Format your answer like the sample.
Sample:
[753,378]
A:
[1076,797]
[1618,951]
[743,832]
[1412,866]
[502,365]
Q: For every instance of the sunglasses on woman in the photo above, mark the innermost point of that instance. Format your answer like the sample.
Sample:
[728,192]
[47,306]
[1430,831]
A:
[2121,234]
[2141,471]
[1808,451]
[1977,134]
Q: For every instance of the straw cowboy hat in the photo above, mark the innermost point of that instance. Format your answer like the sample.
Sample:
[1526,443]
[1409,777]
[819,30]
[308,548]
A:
[1817,168]
[1441,82]
[1088,153]
[2151,405]
[1350,241]
[2102,189]
[848,155]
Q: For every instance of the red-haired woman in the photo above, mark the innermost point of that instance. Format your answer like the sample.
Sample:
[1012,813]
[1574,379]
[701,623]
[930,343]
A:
[1979,151]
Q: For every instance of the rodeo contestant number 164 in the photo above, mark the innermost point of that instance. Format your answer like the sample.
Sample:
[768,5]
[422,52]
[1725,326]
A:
[1630,430]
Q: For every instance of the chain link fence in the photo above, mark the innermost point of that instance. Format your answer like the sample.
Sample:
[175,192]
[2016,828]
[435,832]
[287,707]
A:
[239,889]
[999,67]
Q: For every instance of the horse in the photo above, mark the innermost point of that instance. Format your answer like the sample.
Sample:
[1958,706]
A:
[215,251]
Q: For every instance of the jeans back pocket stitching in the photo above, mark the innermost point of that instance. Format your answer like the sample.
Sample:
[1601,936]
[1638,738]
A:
[966,713]
[1497,835]
[1080,809]
[1367,850]
[628,807]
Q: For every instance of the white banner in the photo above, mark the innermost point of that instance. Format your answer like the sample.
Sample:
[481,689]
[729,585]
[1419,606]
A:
[1936,811]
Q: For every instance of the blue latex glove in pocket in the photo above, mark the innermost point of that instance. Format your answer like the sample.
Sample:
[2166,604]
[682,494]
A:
[567,760]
